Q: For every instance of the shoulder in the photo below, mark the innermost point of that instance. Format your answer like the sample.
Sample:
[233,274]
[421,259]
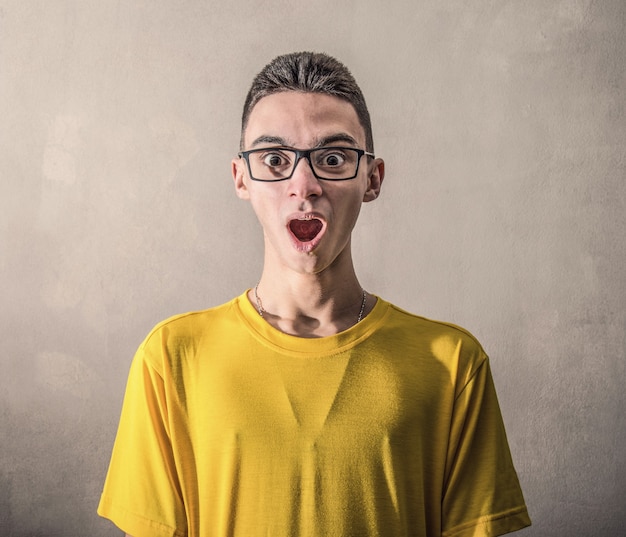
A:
[189,324]
[419,326]
[451,345]
[182,334]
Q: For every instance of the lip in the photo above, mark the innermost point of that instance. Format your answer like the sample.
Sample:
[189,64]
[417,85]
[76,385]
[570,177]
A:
[307,246]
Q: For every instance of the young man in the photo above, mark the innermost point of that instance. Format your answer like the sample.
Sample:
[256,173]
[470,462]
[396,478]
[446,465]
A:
[307,406]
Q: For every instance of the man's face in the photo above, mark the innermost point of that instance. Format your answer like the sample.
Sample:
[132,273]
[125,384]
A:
[307,222]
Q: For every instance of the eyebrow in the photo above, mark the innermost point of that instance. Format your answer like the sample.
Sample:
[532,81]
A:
[321,142]
[334,138]
[276,140]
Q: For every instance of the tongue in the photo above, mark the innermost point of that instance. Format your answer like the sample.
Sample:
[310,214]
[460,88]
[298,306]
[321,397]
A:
[305,230]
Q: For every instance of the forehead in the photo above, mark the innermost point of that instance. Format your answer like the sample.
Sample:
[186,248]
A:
[302,119]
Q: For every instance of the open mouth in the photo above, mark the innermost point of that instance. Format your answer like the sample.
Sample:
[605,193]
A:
[306,230]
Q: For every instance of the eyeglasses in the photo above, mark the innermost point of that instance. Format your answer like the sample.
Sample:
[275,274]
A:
[327,163]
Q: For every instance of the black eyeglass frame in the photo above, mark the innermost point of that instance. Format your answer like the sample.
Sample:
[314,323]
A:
[300,154]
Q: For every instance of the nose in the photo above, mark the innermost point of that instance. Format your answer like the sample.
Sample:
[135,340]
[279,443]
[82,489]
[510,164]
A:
[303,182]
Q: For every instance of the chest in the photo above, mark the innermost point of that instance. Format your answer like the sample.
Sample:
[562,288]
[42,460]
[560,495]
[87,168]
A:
[358,399]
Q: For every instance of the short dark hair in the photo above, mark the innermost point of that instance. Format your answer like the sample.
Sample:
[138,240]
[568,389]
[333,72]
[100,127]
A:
[308,72]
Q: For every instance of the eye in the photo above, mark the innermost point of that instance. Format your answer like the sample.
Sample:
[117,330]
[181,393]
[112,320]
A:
[274,160]
[332,159]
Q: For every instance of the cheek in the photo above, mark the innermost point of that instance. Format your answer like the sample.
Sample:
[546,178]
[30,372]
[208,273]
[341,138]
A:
[347,211]
[266,207]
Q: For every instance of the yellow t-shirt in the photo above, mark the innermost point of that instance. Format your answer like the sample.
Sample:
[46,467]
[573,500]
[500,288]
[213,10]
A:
[232,428]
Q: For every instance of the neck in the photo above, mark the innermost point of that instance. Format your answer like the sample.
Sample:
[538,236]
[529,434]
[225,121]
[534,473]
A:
[310,305]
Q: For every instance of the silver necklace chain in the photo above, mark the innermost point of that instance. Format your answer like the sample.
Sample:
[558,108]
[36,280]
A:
[261,309]
[363,300]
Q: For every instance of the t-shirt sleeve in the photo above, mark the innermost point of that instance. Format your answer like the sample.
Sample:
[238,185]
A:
[482,495]
[142,494]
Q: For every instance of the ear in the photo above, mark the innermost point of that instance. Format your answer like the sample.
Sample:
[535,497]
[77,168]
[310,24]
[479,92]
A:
[375,180]
[238,170]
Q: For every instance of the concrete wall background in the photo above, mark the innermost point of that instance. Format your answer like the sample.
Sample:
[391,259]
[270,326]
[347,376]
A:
[504,210]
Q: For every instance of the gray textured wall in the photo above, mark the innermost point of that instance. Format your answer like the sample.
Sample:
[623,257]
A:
[504,210]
